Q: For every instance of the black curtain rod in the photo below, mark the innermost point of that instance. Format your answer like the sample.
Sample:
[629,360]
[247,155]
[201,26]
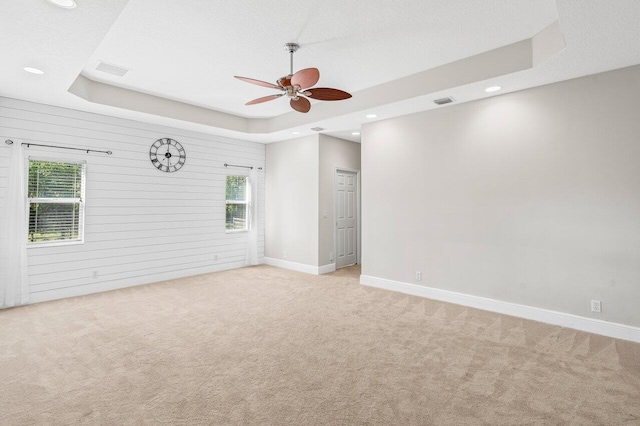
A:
[10,142]
[244,167]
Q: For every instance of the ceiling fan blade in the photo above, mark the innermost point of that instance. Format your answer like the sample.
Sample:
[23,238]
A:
[327,94]
[300,105]
[306,77]
[258,82]
[264,99]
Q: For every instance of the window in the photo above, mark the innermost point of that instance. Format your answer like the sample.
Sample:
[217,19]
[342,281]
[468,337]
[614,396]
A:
[56,207]
[237,204]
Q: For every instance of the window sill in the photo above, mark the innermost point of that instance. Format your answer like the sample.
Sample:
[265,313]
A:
[54,244]
[235,231]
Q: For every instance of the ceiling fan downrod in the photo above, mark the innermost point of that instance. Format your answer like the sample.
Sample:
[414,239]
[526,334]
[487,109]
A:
[292,48]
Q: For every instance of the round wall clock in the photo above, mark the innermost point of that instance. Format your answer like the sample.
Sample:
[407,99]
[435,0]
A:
[167,155]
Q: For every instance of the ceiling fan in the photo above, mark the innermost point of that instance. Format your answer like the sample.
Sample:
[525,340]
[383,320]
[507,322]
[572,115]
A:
[297,86]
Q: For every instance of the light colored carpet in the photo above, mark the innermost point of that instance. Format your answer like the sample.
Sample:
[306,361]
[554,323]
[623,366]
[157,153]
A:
[263,345]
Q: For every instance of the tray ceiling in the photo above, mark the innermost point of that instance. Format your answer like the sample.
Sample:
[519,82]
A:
[188,51]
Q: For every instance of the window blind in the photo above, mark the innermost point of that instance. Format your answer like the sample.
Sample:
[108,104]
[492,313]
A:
[55,192]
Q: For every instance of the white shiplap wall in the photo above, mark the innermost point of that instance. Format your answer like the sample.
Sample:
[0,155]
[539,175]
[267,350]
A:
[141,225]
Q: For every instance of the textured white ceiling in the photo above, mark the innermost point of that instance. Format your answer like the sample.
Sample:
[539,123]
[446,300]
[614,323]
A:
[59,41]
[189,50]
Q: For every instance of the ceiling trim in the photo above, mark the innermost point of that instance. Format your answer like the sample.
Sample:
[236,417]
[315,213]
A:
[504,60]
[106,94]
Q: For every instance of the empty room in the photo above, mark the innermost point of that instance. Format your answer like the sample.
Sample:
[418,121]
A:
[320,213]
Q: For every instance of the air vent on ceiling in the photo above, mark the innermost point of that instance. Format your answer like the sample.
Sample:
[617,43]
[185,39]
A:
[443,101]
[111,69]
[317,129]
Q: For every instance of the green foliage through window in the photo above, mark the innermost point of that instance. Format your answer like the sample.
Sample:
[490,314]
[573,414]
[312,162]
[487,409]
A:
[236,204]
[55,201]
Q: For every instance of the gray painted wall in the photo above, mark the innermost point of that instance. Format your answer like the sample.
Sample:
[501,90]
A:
[291,232]
[334,153]
[299,187]
[531,197]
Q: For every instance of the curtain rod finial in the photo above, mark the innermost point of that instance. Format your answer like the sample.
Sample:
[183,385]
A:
[9,142]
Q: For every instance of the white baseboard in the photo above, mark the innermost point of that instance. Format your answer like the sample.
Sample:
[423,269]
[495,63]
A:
[325,269]
[300,267]
[591,325]
[100,287]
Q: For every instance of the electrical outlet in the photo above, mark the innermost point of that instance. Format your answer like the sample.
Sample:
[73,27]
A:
[284,254]
[95,274]
[596,306]
[418,276]
[331,256]
[215,257]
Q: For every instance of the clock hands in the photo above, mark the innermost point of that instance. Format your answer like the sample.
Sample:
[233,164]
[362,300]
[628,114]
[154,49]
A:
[168,156]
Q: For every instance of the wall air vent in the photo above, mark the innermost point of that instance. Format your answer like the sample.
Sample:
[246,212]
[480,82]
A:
[443,101]
[111,69]
[317,129]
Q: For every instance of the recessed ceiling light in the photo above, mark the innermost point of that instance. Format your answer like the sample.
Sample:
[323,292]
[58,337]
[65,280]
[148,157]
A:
[371,115]
[493,89]
[33,70]
[355,133]
[66,4]
[295,133]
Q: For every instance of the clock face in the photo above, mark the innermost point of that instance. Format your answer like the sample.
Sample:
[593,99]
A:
[167,155]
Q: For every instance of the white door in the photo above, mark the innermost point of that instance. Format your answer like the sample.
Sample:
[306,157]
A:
[345,198]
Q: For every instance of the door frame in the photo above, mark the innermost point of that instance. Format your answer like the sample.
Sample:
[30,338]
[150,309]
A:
[358,215]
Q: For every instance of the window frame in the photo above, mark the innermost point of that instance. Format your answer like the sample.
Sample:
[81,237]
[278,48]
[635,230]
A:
[246,203]
[48,200]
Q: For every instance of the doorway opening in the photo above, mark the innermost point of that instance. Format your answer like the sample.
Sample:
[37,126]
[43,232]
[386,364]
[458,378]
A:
[347,217]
